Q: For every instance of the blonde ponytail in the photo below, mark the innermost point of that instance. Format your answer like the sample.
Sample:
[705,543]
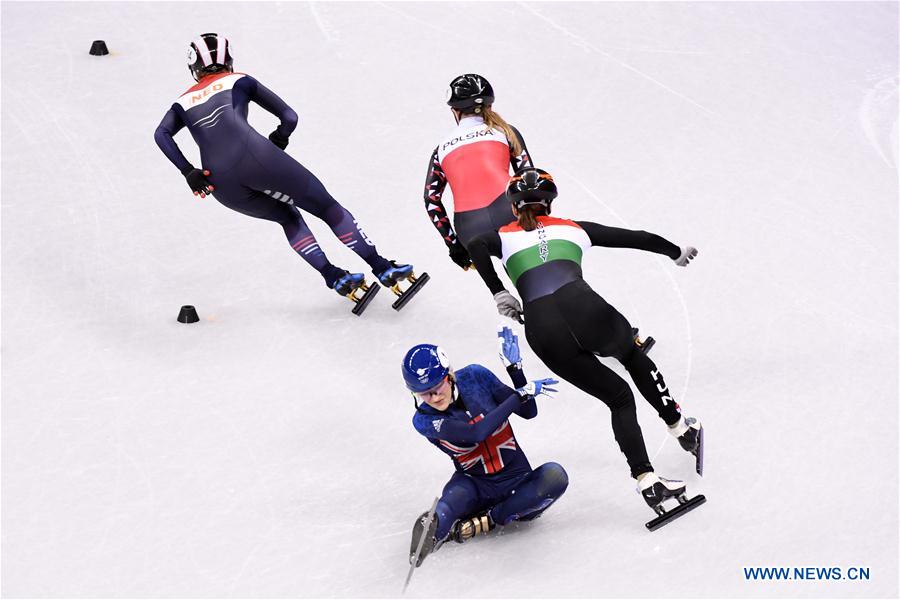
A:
[495,121]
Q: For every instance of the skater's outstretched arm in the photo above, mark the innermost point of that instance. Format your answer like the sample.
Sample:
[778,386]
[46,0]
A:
[168,127]
[481,249]
[614,237]
[436,427]
[523,159]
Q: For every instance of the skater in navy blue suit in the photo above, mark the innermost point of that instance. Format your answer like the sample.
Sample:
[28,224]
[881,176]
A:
[465,414]
[253,175]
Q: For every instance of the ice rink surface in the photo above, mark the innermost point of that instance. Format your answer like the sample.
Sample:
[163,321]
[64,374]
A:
[267,451]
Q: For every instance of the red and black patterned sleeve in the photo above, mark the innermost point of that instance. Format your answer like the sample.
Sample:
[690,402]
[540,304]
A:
[435,182]
[523,159]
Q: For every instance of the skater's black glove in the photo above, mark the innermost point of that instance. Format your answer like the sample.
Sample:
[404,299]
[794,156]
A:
[279,140]
[460,256]
[196,180]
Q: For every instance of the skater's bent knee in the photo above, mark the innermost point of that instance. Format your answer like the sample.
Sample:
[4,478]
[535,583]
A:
[627,353]
[553,480]
[444,511]
[620,398]
[289,223]
[333,214]
[286,216]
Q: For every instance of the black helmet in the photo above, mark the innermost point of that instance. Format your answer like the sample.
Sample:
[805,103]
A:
[531,186]
[470,91]
[209,53]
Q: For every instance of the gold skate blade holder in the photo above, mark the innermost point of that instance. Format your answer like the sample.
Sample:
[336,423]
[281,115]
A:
[411,278]
[404,296]
[362,289]
[361,301]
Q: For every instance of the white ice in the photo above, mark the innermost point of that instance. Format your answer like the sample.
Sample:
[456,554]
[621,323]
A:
[267,451]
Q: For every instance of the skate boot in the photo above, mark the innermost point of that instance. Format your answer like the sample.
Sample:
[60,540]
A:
[394,274]
[465,529]
[657,490]
[427,528]
[689,433]
[355,288]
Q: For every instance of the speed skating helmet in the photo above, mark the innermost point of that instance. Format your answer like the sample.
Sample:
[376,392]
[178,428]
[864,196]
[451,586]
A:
[470,91]
[208,53]
[531,186]
[424,367]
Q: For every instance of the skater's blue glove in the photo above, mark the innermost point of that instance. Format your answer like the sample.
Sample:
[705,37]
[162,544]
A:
[509,347]
[538,387]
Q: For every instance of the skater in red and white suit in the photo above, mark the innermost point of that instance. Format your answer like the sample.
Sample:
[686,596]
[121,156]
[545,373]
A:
[475,159]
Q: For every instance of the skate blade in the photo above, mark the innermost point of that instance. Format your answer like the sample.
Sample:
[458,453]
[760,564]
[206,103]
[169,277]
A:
[414,560]
[700,454]
[361,302]
[404,296]
[679,511]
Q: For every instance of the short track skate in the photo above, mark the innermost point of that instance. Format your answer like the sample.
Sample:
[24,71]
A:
[691,440]
[353,286]
[697,451]
[362,299]
[424,529]
[404,296]
[394,274]
[699,455]
[466,529]
[685,505]
[657,490]
[644,345]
